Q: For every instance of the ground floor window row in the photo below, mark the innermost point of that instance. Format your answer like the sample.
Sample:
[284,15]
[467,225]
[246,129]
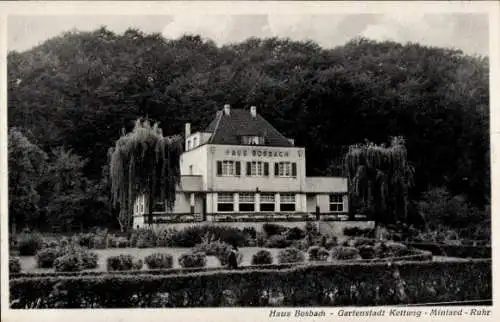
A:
[267,202]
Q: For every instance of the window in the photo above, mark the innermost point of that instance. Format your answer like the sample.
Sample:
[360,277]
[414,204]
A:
[287,202]
[336,203]
[159,206]
[252,140]
[228,168]
[247,202]
[189,144]
[257,169]
[285,169]
[225,202]
[267,202]
[195,141]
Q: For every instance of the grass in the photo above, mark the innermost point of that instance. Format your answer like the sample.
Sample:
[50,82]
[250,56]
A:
[28,263]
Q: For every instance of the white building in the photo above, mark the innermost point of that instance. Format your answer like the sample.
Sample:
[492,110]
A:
[240,168]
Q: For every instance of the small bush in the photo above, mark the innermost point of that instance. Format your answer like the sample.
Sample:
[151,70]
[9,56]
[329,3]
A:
[250,231]
[98,242]
[119,242]
[120,263]
[317,253]
[29,244]
[262,257]
[273,229]
[46,257]
[295,233]
[50,244]
[345,253]
[302,244]
[193,260]
[137,264]
[14,265]
[290,255]
[277,241]
[85,240]
[88,259]
[393,249]
[158,260]
[331,242]
[68,263]
[358,232]
[369,252]
[146,239]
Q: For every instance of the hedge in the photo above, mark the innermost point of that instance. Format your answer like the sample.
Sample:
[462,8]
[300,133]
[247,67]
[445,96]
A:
[454,251]
[313,285]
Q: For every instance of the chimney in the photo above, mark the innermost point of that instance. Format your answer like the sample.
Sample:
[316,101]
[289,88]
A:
[253,111]
[187,129]
[227,109]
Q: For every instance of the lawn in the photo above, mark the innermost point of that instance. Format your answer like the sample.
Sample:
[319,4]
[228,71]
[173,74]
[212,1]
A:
[28,263]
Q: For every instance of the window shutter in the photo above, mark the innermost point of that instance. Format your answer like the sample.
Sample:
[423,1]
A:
[238,168]
[294,169]
[219,168]
[266,169]
[276,169]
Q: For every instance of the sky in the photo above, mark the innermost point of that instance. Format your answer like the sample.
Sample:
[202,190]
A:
[465,31]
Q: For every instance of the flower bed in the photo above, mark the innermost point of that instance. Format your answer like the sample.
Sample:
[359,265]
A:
[359,284]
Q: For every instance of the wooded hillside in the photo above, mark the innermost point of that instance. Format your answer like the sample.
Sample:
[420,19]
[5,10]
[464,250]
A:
[71,96]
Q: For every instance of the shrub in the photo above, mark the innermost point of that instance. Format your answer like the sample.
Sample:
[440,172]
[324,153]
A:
[45,257]
[393,249]
[14,265]
[250,231]
[369,252]
[158,260]
[50,244]
[356,231]
[120,263]
[295,233]
[290,255]
[273,229]
[193,235]
[331,242]
[345,253]
[193,260]
[277,241]
[29,244]
[302,244]
[318,253]
[311,228]
[262,257]
[147,239]
[98,242]
[68,263]
[88,259]
[119,242]
[137,264]
[85,240]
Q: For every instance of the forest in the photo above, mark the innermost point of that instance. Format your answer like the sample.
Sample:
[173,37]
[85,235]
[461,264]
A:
[71,98]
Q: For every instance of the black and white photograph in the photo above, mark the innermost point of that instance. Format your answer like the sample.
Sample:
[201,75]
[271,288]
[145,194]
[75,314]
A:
[319,163]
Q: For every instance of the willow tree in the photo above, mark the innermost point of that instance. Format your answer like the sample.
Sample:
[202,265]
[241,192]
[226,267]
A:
[379,178]
[143,162]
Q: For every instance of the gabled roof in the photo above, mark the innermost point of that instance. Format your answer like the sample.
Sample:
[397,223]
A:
[227,129]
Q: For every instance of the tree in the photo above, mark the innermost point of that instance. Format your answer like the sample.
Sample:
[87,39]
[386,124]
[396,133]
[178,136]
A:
[27,164]
[379,178]
[65,187]
[144,162]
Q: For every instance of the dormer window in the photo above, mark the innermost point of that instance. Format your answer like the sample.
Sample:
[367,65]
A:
[252,140]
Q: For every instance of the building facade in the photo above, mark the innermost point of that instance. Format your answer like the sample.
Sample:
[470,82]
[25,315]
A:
[240,168]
